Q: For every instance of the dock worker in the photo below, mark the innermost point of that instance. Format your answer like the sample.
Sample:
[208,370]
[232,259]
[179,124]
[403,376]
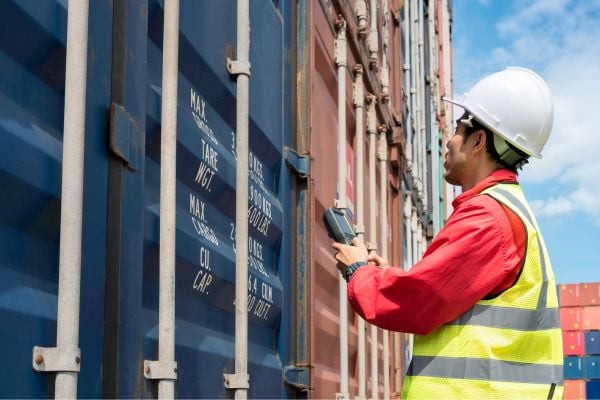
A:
[482,301]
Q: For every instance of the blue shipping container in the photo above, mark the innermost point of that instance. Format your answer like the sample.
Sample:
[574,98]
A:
[592,367]
[574,368]
[120,239]
[592,342]
[592,390]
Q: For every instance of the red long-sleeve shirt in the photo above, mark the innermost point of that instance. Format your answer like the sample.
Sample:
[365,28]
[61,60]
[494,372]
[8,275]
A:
[478,253]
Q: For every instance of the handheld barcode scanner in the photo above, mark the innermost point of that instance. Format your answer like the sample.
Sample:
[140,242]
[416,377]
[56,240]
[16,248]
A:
[338,226]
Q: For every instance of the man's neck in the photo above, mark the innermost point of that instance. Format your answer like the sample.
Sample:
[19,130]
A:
[479,174]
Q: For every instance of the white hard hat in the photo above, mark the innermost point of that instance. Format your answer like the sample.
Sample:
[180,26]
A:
[515,104]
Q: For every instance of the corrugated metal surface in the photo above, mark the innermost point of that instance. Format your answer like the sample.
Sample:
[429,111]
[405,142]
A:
[293,283]
[32,64]
[206,203]
[325,311]
[122,187]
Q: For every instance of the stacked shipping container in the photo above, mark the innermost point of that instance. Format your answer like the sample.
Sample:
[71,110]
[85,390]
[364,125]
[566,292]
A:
[580,322]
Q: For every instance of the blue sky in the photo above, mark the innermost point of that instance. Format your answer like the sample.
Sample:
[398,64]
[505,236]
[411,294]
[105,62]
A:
[559,39]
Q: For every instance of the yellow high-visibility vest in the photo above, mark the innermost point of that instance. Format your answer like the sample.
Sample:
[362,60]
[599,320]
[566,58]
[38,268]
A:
[506,347]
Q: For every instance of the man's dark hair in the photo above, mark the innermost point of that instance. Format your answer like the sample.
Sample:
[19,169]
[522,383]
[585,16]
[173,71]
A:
[490,148]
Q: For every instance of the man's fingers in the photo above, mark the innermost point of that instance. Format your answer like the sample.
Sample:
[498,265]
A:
[337,246]
[377,259]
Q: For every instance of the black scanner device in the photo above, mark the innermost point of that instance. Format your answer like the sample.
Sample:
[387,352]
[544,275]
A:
[338,226]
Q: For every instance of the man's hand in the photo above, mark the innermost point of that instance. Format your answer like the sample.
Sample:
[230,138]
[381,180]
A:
[347,255]
[378,260]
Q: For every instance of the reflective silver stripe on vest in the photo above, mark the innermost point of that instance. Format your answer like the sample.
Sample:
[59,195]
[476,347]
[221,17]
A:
[485,369]
[509,318]
[521,207]
[516,202]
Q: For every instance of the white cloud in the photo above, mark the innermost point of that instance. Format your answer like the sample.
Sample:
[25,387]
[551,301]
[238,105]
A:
[558,39]
[484,2]
[529,14]
[501,56]
[571,68]
[553,207]
[581,200]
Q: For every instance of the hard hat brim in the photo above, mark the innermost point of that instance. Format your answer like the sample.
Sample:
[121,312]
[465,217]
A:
[464,107]
[449,100]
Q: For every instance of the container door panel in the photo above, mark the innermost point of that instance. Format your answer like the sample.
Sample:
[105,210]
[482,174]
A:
[206,190]
[32,80]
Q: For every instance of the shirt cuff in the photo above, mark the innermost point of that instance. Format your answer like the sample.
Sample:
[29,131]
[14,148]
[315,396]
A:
[351,269]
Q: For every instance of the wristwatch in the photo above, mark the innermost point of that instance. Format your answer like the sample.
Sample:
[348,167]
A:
[352,269]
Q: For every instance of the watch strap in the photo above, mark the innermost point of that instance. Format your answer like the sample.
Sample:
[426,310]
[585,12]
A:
[351,269]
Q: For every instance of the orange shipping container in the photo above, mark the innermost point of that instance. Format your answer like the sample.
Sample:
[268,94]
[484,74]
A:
[571,318]
[573,343]
[590,293]
[591,318]
[570,295]
[574,390]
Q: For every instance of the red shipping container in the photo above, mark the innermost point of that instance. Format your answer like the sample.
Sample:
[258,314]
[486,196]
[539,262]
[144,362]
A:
[573,343]
[591,318]
[574,390]
[571,318]
[590,294]
[569,295]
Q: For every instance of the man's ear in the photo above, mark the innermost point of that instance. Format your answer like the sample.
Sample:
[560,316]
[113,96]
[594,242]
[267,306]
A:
[479,139]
